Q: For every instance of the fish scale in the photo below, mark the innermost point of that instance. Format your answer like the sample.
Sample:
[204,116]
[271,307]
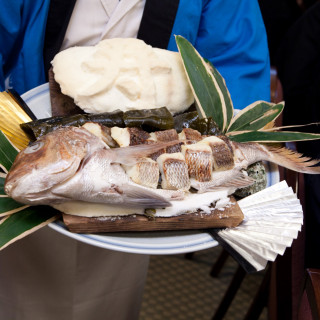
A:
[199,164]
[174,172]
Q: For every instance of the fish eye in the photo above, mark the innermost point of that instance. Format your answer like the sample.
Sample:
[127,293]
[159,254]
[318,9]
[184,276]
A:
[34,147]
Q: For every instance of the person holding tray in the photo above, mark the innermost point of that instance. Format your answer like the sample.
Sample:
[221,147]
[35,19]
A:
[47,275]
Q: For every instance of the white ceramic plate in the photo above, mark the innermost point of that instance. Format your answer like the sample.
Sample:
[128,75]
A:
[164,242]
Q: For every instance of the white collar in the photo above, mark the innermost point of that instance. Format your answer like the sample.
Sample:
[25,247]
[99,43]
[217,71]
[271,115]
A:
[94,20]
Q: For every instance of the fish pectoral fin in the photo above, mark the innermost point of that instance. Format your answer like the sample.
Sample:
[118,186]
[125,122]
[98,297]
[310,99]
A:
[143,198]
[240,181]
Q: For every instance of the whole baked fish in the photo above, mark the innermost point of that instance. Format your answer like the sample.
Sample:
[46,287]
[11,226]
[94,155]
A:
[75,164]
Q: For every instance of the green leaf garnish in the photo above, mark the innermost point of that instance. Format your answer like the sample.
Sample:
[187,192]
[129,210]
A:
[9,206]
[20,224]
[271,136]
[212,97]
[2,180]
[7,153]
[256,116]
[211,94]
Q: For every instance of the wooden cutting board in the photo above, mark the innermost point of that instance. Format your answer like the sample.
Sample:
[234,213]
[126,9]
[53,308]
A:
[230,216]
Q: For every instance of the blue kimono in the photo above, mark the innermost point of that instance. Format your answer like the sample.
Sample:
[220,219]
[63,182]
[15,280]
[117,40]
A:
[229,33]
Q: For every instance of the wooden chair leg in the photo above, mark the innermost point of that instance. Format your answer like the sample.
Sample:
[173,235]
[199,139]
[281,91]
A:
[216,268]
[189,255]
[261,298]
[229,295]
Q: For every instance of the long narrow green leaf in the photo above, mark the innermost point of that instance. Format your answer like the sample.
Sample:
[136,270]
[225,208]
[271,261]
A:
[225,92]
[255,116]
[20,224]
[210,97]
[10,206]
[7,152]
[271,136]
[2,180]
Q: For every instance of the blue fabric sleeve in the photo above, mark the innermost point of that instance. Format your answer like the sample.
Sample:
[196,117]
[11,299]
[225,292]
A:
[10,25]
[231,34]
[22,29]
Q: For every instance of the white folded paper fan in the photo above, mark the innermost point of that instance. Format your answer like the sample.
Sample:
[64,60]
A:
[272,219]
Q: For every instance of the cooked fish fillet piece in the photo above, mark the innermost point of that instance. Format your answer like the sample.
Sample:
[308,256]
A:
[103,132]
[144,172]
[222,155]
[129,136]
[174,171]
[198,157]
[167,135]
[190,134]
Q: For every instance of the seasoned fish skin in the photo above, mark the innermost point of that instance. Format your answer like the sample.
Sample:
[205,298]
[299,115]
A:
[199,161]
[145,173]
[174,172]
[167,135]
[223,156]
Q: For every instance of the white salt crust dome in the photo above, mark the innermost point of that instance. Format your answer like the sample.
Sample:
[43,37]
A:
[123,74]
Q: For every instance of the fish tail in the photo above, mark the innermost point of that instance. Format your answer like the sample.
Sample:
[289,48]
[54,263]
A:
[293,160]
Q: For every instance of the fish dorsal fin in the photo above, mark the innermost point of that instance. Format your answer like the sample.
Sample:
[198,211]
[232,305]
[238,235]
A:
[132,154]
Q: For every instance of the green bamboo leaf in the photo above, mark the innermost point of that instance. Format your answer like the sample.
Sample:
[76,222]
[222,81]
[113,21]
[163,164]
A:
[211,94]
[2,180]
[7,152]
[20,224]
[9,206]
[272,137]
[255,116]
[224,90]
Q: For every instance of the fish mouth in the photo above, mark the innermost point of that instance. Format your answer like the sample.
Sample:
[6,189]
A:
[34,187]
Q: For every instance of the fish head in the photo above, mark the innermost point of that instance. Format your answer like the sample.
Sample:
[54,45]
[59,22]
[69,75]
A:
[47,162]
